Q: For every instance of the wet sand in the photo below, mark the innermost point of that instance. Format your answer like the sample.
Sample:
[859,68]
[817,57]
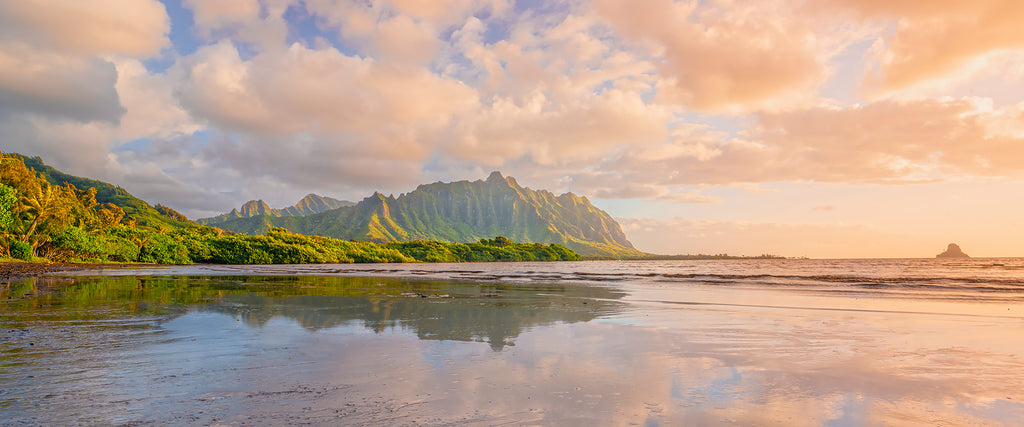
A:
[260,350]
[14,269]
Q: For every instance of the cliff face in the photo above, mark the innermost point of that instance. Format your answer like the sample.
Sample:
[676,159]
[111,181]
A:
[952,251]
[464,211]
[309,205]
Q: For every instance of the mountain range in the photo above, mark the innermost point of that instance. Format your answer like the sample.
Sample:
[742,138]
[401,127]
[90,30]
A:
[309,205]
[462,211]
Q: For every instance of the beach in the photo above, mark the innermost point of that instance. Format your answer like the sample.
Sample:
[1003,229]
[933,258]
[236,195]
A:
[784,342]
[17,269]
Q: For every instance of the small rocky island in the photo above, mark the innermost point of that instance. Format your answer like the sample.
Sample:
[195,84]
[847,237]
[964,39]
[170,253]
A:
[952,251]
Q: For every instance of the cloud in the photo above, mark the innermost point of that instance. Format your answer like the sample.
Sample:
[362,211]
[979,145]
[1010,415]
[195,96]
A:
[77,148]
[303,89]
[57,85]
[447,11]
[305,117]
[932,41]
[927,139]
[151,109]
[646,191]
[398,30]
[219,14]
[403,40]
[257,25]
[360,18]
[551,133]
[102,27]
[83,147]
[686,236]
[721,56]
[50,54]
[306,162]
[607,184]
[886,141]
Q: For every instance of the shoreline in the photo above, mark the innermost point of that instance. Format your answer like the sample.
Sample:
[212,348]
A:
[11,270]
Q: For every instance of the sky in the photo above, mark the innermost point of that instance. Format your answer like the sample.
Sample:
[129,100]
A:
[825,128]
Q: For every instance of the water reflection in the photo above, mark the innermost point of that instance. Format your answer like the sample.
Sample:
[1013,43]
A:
[251,350]
[142,348]
[491,313]
[441,310]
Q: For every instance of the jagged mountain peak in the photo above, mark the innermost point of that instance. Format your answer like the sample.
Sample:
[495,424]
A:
[255,207]
[495,176]
[308,205]
[465,211]
[378,196]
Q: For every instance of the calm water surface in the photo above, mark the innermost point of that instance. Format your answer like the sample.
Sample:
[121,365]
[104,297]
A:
[766,342]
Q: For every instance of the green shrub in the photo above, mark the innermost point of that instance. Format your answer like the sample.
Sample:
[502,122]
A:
[120,249]
[162,249]
[20,250]
[73,244]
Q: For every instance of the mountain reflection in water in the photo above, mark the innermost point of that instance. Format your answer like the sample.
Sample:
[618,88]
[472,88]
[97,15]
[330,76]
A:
[491,313]
[786,342]
[438,310]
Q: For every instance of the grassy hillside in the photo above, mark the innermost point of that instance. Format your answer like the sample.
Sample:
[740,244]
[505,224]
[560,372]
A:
[136,208]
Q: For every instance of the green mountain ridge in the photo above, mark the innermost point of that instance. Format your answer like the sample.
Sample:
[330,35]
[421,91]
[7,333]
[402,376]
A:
[461,212]
[159,216]
[311,204]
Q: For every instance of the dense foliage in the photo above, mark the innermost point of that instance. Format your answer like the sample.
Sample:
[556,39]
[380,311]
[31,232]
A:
[43,220]
[280,246]
[497,249]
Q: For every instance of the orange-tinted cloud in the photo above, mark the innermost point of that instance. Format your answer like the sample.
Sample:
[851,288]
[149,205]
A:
[217,14]
[687,236]
[303,89]
[928,139]
[933,39]
[102,27]
[723,55]
[554,133]
[883,142]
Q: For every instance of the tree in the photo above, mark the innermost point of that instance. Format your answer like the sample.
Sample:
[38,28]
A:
[8,199]
[110,215]
[48,208]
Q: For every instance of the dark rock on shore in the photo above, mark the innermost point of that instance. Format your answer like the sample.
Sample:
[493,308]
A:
[952,251]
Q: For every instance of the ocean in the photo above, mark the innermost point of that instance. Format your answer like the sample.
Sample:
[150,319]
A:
[693,342]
